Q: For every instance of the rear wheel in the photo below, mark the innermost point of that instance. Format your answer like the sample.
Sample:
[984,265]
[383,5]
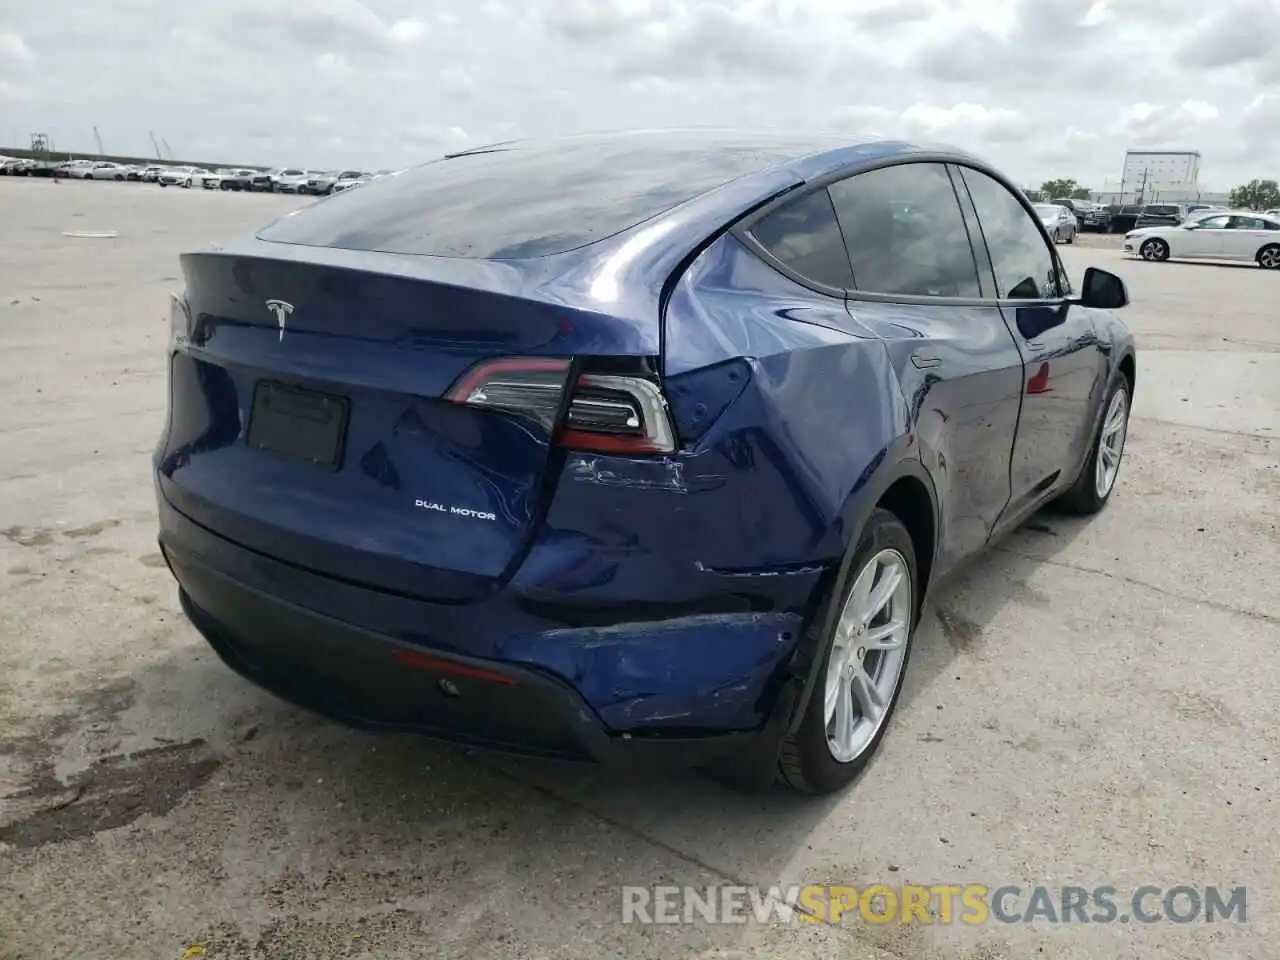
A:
[864,660]
[1154,249]
[1071,236]
[1269,257]
[1092,489]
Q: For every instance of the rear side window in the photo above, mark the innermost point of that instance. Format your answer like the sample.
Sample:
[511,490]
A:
[528,200]
[905,232]
[805,237]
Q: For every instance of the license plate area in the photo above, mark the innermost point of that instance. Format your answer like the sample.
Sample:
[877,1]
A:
[303,424]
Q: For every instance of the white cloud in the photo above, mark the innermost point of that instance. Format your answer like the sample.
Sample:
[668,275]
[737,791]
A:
[334,65]
[1043,88]
[13,47]
[407,31]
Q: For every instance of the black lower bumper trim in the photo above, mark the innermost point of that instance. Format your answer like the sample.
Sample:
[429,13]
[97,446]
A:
[366,680]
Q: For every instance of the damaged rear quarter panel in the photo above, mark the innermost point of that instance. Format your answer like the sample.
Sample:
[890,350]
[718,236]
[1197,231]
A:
[706,564]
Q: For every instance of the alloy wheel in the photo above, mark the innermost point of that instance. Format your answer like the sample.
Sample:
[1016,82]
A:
[1152,250]
[1270,258]
[868,654]
[1115,427]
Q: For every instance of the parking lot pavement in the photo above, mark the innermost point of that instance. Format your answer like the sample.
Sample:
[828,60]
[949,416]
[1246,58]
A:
[1092,702]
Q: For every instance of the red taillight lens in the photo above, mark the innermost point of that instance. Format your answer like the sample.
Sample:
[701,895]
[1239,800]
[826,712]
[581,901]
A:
[608,413]
[530,387]
[617,414]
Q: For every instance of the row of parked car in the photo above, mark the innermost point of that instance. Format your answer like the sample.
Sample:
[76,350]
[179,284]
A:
[279,180]
[1122,219]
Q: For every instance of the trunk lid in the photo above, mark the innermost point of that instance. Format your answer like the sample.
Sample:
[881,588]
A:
[308,419]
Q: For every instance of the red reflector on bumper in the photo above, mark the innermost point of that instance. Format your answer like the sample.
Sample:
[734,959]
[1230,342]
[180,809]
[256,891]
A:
[425,662]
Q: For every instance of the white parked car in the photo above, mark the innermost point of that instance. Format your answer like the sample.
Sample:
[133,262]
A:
[105,170]
[209,179]
[177,176]
[95,170]
[348,179]
[289,180]
[1235,235]
[1059,222]
[319,182]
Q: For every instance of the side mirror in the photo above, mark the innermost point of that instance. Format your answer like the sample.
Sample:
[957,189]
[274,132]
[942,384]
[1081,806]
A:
[1103,289]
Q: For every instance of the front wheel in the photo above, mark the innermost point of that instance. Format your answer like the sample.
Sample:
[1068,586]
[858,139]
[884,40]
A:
[1071,236]
[1093,488]
[864,660]
[1154,250]
[1269,257]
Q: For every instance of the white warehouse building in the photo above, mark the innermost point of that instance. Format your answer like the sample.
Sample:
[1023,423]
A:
[1158,176]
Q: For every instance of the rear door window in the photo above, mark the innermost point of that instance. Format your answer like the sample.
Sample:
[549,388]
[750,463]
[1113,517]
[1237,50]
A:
[905,233]
[804,237]
[1021,258]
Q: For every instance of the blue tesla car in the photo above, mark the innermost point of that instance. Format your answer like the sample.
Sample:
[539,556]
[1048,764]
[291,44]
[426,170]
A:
[627,447]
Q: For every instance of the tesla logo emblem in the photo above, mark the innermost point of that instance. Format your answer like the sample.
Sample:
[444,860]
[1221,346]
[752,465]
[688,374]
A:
[281,311]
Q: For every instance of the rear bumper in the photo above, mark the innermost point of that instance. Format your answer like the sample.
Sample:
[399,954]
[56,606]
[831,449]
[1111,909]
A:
[696,683]
[370,681]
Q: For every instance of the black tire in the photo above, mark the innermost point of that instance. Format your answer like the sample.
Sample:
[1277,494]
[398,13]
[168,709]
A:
[118,177]
[1071,236]
[1159,250]
[805,762]
[1269,257]
[1083,498]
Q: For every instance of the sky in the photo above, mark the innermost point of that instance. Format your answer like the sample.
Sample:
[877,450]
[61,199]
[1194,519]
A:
[1042,88]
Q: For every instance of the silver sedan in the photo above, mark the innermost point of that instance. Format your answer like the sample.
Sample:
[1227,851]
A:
[1059,222]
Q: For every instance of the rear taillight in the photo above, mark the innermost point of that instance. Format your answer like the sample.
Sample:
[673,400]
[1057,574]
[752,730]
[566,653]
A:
[617,414]
[606,413]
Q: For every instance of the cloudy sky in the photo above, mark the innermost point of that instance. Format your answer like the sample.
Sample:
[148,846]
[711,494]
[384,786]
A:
[1042,87]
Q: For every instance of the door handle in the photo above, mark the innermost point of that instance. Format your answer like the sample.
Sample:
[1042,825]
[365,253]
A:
[1035,345]
[924,363]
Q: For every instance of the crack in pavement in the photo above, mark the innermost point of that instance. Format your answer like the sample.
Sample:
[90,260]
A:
[656,842]
[1133,581]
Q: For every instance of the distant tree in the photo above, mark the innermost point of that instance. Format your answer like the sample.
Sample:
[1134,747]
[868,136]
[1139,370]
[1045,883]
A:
[1053,189]
[1256,195]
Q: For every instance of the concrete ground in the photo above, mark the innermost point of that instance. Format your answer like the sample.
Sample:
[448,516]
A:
[1093,703]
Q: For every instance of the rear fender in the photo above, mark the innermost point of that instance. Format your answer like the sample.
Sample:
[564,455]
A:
[822,387]
[807,658]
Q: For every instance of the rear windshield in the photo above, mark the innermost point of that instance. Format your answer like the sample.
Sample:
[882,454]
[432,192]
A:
[1161,210]
[531,200]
